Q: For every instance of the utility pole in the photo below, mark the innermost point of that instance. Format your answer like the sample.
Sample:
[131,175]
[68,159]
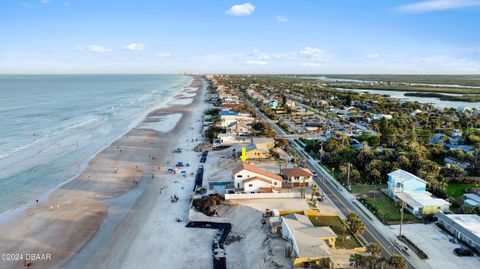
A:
[348,178]
[402,204]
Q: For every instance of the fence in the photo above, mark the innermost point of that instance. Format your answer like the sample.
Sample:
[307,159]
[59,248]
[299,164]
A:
[280,195]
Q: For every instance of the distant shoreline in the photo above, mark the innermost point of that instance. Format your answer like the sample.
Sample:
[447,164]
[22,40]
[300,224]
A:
[443,97]
[408,88]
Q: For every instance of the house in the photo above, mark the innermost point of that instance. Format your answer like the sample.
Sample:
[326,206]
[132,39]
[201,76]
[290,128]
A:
[228,117]
[450,161]
[290,103]
[400,181]
[272,103]
[380,116]
[465,227]
[297,176]
[471,199]
[259,148]
[226,138]
[250,178]
[411,189]
[240,128]
[267,143]
[254,151]
[309,243]
[422,203]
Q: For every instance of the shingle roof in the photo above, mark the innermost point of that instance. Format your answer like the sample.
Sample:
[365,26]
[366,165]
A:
[257,178]
[297,172]
[257,170]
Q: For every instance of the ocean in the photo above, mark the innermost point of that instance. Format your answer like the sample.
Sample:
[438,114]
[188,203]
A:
[52,125]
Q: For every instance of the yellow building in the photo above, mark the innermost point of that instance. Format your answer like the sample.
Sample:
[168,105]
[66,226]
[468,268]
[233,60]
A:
[254,151]
[310,244]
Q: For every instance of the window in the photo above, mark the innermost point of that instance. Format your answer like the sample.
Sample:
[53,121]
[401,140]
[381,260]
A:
[275,183]
[250,185]
[239,176]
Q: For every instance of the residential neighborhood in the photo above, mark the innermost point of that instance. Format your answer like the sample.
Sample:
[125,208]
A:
[272,148]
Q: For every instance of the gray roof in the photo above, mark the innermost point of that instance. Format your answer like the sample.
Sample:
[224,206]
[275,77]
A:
[309,240]
[467,224]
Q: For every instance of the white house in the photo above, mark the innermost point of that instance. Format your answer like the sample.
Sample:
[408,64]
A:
[290,103]
[240,128]
[252,179]
[228,117]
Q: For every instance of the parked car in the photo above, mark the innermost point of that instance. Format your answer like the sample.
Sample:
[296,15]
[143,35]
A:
[463,252]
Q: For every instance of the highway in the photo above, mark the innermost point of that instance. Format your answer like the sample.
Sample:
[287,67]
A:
[345,202]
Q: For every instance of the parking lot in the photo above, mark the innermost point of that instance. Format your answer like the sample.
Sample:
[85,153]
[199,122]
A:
[435,243]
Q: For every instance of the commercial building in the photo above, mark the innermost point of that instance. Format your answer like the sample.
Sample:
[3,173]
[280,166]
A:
[465,227]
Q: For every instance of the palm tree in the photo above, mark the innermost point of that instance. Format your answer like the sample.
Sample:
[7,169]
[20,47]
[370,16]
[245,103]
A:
[374,250]
[358,261]
[314,191]
[344,228]
[397,262]
[355,224]
[401,205]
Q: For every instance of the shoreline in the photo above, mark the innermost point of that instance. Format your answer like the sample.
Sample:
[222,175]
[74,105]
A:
[14,212]
[77,209]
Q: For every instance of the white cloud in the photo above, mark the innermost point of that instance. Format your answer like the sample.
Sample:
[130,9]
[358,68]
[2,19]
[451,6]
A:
[134,46]
[281,18]
[163,54]
[44,1]
[314,54]
[311,64]
[26,5]
[372,56]
[255,62]
[435,5]
[241,10]
[97,48]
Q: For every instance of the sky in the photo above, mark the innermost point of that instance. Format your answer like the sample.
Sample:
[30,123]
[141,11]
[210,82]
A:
[252,36]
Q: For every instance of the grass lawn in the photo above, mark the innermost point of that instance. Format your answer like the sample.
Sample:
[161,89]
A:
[335,223]
[364,188]
[457,190]
[382,206]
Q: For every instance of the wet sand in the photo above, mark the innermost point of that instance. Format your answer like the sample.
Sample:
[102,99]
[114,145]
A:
[72,215]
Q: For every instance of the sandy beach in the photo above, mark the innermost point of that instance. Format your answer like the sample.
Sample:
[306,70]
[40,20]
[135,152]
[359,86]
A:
[113,214]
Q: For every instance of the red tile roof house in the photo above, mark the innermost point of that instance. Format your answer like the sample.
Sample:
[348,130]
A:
[297,176]
[251,179]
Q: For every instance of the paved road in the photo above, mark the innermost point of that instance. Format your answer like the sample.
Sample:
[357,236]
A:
[342,199]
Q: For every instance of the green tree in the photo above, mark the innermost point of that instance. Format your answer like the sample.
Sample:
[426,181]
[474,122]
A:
[374,250]
[396,262]
[355,224]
